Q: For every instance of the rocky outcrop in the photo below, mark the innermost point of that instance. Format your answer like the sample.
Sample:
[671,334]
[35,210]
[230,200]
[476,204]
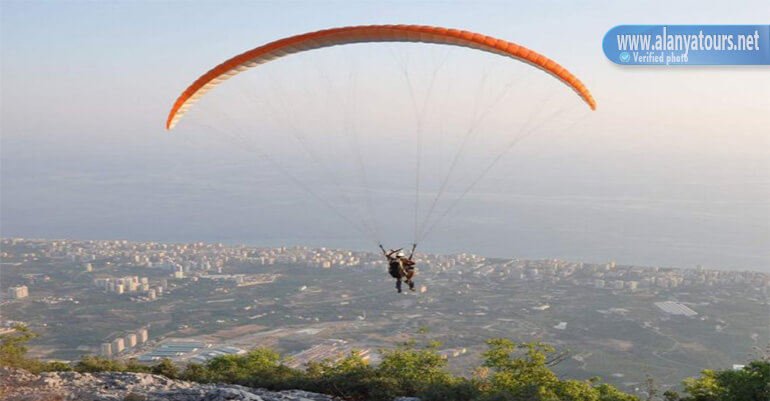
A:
[19,385]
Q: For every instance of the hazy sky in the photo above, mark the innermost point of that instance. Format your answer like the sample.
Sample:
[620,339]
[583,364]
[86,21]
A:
[672,169]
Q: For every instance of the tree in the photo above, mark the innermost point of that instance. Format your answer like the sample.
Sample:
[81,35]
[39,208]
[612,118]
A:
[132,365]
[91,364]
[196,372]
[165,368]
[670,395]
[752,383]
[13,349]
[607,392]
[226,368]
[512,372]
[414,369]
[260,367]
[526,375]
[704,388]
[349,377]
[652,389]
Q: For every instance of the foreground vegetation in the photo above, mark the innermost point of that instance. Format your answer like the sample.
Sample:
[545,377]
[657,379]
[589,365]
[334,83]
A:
[510,372]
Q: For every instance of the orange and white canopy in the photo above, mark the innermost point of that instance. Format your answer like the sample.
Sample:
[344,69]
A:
[369,33]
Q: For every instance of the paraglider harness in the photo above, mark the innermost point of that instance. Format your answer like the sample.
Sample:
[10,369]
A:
[396,267]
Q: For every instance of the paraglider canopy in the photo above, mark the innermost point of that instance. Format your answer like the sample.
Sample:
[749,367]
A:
[369,33]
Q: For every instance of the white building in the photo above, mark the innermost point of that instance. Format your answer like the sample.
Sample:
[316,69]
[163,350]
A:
[118,345]
[142,336]
[675,308]
[18,292]
[105,350]
[131,340]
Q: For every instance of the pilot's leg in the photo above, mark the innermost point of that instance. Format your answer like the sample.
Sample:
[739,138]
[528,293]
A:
[398,284]
[408,275]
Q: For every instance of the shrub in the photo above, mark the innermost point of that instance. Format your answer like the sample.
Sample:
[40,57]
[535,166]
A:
[13,350]
[91,364]
[752,383]
[57,367]
[458,390]
[165,368]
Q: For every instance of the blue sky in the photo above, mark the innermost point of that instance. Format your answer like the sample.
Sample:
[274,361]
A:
[671,169]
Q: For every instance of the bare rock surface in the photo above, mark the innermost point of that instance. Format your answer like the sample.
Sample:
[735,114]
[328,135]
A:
[20,385]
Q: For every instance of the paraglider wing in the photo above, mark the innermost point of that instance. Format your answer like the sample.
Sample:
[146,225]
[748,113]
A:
[369,33]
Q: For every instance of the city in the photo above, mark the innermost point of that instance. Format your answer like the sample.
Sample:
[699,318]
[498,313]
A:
[193,302]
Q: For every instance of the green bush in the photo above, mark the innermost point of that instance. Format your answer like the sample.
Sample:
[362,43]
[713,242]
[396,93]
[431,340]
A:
[13,350]
[414,370]
[91,364]
[165,368]
[57,367]
[133,366]
[459,389]
[350,377]
[752,383]
[196,372]
[521,372]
